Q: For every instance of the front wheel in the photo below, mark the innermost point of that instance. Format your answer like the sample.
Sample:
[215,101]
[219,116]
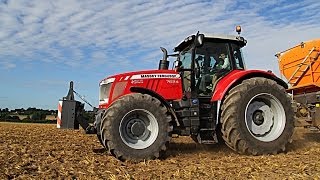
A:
[257,117]
[136,127]
[97,125]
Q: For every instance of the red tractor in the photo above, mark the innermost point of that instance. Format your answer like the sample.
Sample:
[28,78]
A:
[208,95]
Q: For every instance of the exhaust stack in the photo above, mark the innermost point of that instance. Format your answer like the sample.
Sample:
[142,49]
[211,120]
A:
[164,63]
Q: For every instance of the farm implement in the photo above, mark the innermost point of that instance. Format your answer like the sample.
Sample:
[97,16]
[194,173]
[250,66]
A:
[70,113]
[300,65]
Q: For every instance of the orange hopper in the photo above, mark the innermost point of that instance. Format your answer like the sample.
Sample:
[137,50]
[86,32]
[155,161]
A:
[300,65]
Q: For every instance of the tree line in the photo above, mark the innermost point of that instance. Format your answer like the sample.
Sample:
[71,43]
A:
[30,114]
[34,115]
[28,111]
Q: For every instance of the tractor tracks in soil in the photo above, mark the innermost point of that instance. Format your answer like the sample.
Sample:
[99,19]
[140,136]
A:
[42,151]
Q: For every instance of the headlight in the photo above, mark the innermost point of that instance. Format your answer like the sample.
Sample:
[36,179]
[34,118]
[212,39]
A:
[107,81]
[105,87]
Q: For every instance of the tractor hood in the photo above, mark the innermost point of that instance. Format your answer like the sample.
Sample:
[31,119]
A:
[161,83]
[146,74]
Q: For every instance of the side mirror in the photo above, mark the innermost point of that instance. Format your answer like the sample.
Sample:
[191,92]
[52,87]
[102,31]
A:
[199,40]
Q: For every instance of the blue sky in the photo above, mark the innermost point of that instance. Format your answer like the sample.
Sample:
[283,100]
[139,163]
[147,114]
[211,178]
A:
[45,44]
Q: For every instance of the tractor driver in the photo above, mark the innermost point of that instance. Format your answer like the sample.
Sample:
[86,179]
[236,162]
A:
[221,65]
[225,61]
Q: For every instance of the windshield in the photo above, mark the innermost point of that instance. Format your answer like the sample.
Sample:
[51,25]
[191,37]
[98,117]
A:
[212,61]
[213,55]
[185,58]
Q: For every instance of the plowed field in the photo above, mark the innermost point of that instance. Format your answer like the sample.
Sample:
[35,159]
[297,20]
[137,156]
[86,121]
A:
[34,151]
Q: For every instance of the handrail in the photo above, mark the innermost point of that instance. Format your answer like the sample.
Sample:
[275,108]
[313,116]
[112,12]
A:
[302,63]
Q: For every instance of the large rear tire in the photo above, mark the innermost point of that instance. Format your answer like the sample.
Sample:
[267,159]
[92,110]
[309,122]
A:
[257,117]
[136,127]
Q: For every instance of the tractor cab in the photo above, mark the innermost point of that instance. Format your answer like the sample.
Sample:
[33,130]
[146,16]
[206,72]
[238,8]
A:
[204,59]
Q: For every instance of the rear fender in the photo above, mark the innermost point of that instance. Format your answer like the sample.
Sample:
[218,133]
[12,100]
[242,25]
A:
[236,77]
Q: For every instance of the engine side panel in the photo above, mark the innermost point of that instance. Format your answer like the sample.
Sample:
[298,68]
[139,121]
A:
[166,83]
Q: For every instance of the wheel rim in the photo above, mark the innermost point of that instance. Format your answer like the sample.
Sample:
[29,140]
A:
[265,117]
[138,129]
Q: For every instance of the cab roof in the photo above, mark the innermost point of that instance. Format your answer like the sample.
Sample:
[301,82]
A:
[211,37]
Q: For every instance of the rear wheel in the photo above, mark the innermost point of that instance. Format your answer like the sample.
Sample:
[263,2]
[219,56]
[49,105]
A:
[257,117]
[136,127]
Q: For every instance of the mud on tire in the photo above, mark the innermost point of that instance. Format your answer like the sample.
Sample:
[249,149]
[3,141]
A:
[136,127]
[257,117]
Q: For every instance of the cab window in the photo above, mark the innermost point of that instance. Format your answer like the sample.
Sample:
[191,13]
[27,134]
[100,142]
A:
[213,60]
[237,54]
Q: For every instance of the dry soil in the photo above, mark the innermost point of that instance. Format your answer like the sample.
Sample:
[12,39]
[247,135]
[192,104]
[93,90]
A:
[38,151]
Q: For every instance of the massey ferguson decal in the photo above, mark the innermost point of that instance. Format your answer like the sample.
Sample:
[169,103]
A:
[172,81]
[137,81]
[156,76]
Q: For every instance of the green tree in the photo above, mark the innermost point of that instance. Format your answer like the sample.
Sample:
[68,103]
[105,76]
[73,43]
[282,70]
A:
[38,116]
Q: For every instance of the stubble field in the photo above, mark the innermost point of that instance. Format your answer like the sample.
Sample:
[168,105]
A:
[38,151]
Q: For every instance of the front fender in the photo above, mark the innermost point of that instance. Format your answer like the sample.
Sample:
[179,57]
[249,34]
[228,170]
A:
[159,97]
[236,77]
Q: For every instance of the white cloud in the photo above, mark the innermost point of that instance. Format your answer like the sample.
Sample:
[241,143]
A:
[7,65]
[86,40]
[97,32]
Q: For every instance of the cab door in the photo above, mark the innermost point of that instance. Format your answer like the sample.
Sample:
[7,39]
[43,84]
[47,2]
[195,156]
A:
[212,61]
[187,72]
